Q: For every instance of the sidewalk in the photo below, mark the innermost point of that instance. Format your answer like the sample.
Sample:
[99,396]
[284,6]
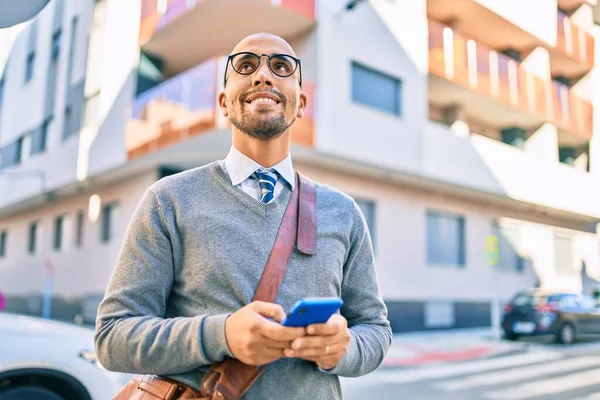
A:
[433,347]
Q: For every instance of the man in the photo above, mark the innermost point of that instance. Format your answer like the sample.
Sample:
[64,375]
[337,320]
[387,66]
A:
[179,299]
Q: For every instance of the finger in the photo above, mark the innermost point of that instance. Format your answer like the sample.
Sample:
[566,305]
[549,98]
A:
[279,333]
[275,344]
[310,342]
[269,310]
[326,329]
[317,353]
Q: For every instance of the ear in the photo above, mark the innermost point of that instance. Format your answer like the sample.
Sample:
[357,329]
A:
[303,101]
[223,104]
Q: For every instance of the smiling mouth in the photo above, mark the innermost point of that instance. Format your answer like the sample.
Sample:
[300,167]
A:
[263,100]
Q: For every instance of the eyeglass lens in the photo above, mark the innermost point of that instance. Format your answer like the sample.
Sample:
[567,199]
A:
[280,65]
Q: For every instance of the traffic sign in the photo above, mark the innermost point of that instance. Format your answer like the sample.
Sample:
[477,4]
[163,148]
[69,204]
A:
[492,250]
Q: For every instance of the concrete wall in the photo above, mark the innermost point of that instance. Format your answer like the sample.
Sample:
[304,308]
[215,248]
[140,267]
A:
[390,38]
[520,13]
[524,174]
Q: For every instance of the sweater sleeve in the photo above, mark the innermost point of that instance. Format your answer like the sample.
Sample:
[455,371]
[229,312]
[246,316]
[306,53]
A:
[133,334]
[364,309]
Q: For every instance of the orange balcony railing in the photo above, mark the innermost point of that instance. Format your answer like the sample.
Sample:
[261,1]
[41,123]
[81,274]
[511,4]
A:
[571,112]
[472,65]
[181,107]
[153,19]
[186,106]
[574,41]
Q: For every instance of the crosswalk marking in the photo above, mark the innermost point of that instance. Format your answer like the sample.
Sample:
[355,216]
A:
[519,374]
[451,370]
[591,396]
[547,386]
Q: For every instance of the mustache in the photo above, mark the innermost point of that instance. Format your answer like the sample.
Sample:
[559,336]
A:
[271,91]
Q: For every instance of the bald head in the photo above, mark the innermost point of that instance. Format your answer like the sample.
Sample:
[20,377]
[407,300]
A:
[262,87]
[263,41]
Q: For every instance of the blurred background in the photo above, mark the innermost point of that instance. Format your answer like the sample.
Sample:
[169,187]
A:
[466,130]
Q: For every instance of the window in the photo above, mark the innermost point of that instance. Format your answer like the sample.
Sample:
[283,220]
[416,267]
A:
[445,239]
[11,154]
[508,243]
[563,255]
[56,44]
[368,209]
[25,147]
[33,229]
[108,218]
[40,137]
[58,232]
[375,89]
[3,236]
[79,233]
[67,122]
[30,66]
[73,44]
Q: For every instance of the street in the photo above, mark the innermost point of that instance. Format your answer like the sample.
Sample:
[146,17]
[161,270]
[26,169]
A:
[540,371]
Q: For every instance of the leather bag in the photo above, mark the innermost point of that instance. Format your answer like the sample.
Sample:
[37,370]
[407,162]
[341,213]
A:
[230,379]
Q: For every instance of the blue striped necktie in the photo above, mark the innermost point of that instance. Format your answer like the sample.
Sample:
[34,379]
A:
[267,179]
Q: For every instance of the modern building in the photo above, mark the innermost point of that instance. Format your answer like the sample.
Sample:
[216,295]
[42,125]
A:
[466,130]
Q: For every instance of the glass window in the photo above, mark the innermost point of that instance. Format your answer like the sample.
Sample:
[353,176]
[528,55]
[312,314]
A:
[445,239]
[376,89]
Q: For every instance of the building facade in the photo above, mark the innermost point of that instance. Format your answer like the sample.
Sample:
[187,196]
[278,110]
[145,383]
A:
[466,133]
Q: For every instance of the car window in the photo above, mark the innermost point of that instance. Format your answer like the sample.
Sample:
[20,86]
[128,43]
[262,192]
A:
[587,301]
[527,300]
[564,300]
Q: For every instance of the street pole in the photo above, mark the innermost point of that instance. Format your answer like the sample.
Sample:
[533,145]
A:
[493,257]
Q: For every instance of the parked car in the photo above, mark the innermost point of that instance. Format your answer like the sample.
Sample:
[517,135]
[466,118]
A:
[49,360]
[563,315]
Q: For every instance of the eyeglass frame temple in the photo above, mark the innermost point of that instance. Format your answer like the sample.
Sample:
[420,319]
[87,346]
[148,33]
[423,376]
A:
[231,56]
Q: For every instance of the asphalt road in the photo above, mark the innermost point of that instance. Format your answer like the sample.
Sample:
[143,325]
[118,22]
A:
[543,371]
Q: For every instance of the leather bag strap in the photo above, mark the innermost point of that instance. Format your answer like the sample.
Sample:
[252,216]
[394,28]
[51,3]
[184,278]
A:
[230,378]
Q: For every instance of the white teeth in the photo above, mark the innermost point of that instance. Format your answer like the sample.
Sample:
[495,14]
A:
[263,100]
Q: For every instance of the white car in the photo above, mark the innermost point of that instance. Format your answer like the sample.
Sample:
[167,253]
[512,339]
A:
[49,360]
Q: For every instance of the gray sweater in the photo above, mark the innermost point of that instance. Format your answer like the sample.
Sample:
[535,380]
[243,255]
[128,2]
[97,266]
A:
[194,252]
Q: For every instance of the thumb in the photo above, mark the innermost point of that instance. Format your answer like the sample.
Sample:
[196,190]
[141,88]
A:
[269,310]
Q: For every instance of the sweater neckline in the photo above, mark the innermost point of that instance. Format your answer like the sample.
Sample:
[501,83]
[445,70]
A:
[278,203]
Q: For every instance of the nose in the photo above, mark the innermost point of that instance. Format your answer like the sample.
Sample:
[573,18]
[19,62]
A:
[263,76]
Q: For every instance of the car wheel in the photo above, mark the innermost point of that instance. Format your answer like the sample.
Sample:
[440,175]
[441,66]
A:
[511,336]
[29,393]
[566,334]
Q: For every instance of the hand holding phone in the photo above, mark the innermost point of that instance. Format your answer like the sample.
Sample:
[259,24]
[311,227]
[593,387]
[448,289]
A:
[313,310]
[327,338]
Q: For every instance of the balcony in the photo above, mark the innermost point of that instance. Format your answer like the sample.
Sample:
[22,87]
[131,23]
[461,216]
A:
[185,106]
[183,33]
[491,84]
[490,166]
[574,52]
[498,27]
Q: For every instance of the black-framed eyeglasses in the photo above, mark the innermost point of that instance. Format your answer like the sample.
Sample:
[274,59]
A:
[246,63]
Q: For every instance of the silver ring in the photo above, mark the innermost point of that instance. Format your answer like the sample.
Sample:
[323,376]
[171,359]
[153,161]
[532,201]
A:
[326,349]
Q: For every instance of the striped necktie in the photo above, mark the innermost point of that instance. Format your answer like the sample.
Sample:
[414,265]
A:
[267,179]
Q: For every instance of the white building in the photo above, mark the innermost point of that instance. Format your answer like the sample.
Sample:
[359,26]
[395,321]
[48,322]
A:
[447,123]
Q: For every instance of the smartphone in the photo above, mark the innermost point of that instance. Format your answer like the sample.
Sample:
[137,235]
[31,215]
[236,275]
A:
[312,310]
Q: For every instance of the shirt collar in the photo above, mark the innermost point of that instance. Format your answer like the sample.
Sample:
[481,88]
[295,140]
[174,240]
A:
[240,167]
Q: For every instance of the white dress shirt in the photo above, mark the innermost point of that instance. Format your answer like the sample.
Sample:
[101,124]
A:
[240,168]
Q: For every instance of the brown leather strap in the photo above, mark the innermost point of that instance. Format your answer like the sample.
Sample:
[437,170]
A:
[230,378]
[307,223]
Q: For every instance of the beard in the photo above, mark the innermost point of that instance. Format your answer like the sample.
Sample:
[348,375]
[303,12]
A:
[262,124]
